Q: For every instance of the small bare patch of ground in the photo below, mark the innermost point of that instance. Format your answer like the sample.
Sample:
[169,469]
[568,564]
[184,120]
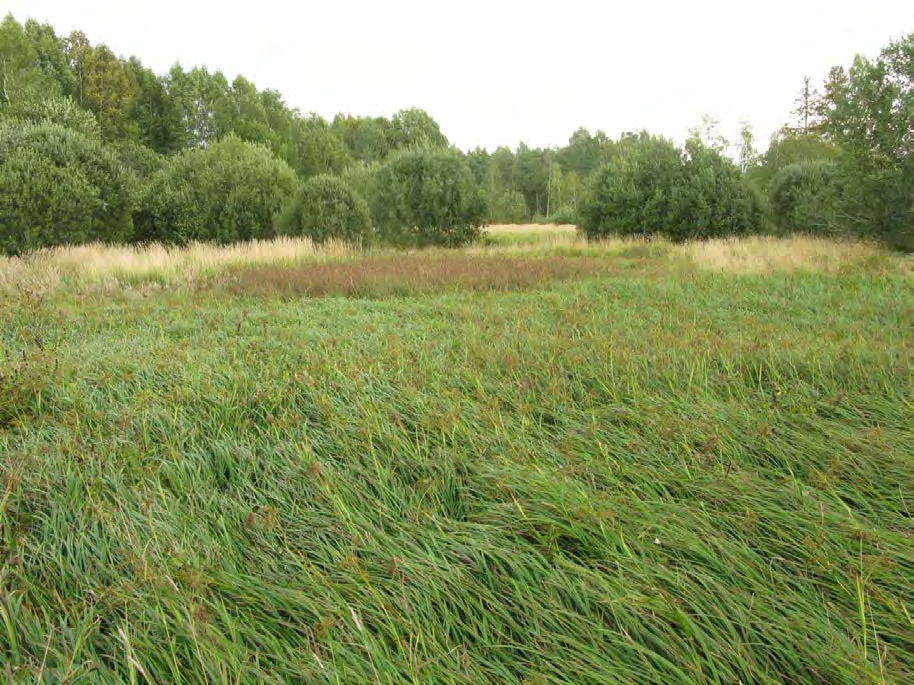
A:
[384,275]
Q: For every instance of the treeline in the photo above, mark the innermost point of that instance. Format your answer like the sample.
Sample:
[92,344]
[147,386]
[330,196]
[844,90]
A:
[97,147]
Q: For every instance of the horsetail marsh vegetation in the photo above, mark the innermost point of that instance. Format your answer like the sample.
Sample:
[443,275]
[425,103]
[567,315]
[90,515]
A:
[538,460]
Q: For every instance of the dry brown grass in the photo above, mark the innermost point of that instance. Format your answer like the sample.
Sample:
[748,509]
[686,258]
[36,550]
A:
[93,268]
[386,275]
[530,228]
[116,266]
[769,254]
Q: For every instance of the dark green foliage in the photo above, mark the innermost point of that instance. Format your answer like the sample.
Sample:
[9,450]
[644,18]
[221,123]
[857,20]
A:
[531,178]
[368,139]
[807,197]
[414,128]
[565,215]
[638,192]
[651,186]
[142,161]
[507,207]
[867,112]
[158,120]
[58,186]
[427,197]
[717,199]
[56,110]
[317,149]
[227,192]
[22,79]
[585,152]
[326,208]
[786,150]
[360,176]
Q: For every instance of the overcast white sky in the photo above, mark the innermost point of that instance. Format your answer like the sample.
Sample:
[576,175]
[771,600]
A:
[499,71]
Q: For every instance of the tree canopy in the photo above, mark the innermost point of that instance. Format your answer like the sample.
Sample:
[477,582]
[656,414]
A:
[165,132]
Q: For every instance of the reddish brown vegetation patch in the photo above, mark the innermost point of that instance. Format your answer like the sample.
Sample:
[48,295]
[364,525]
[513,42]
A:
[409,274]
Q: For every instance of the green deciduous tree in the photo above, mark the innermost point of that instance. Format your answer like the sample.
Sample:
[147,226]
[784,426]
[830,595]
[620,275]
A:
[652,186]
[201,101]
[51,52]
[158,122]
[64,111]
[585,152]
[22,79]
[326,208]
[786,149]
[716,199]
[414,128]
[103,86]
[427,197]
[868,111]
[637,192]
[507,207]
[227,192]
[318,150]
[531,177]
[368,139]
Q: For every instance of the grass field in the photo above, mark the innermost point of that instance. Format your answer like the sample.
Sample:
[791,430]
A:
[539,461]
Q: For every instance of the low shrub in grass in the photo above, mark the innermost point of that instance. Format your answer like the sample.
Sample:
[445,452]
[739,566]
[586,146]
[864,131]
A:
[326,208]
[228,192]
[22,384]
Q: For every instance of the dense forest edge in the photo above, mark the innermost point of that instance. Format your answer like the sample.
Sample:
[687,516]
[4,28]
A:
[95,147]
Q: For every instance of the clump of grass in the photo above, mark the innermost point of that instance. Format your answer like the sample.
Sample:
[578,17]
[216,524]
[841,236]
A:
[24,381]
[384,275]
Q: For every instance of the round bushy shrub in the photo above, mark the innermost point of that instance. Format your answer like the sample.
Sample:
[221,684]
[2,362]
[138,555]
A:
[325,208]
[427,197]
[60,187]
[807,197]
[653,187]
[717,199]
[228,192]
[636,192]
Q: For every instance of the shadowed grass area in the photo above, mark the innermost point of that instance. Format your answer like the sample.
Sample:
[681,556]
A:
[649,475]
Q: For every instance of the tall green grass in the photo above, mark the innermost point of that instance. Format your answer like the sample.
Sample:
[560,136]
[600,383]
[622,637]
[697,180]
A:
[682,478]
